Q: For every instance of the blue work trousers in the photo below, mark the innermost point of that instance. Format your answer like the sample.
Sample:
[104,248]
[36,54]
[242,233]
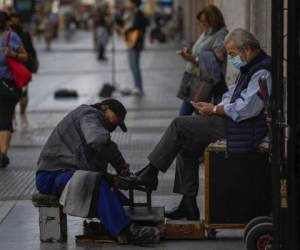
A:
[109,209]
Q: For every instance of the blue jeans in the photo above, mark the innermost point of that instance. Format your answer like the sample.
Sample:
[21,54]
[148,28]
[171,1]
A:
[109,209]
[134,63]
[186,109]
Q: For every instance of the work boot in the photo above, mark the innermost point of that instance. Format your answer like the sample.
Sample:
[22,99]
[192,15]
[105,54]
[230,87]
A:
[4,160]
[187,209]
[147,177]
[142,234]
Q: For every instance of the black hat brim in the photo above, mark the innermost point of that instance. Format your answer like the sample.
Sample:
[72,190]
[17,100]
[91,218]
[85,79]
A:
[123,126]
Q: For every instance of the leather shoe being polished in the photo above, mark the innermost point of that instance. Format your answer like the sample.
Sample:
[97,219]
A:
[147,177]
[187,209]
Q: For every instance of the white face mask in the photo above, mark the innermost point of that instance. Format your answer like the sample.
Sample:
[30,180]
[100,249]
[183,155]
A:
[237,62]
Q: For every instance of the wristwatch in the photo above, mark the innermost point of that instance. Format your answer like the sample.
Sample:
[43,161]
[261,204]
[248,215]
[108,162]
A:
[215,109]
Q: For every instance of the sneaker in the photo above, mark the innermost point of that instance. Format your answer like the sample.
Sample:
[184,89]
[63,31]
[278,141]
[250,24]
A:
[137,92]
[4,161]
[142,234]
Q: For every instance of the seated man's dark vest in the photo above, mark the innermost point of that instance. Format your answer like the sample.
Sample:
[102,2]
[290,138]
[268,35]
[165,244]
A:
[245,136]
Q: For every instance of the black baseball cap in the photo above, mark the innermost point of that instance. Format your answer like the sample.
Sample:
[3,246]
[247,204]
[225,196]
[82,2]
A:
[119,109]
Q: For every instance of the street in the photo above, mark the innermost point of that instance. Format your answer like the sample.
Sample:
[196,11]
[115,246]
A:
[73,65]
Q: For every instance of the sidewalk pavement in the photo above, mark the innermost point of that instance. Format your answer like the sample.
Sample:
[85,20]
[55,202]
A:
[73,65]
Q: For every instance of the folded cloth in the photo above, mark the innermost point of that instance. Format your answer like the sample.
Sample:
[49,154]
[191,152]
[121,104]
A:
[77,195]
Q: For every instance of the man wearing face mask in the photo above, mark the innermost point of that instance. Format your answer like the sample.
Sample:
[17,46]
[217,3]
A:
[73,166]
[241,109]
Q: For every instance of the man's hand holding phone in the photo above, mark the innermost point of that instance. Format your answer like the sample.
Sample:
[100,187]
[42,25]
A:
[203,108]
[183,51]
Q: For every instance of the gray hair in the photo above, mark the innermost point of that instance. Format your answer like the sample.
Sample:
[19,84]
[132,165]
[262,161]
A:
[242,38]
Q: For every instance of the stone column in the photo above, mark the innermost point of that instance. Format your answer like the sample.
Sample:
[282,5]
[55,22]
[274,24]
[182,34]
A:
[236,15]
[191,25]
[260,19]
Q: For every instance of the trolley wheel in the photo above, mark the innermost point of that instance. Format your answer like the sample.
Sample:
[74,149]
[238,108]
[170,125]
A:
[211,233]
[254,222]
[260,237]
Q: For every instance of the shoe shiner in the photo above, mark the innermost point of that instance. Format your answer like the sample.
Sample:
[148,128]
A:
[73,166]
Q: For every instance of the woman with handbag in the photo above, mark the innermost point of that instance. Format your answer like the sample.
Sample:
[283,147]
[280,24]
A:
[32,63]
[206,62]
[10,92]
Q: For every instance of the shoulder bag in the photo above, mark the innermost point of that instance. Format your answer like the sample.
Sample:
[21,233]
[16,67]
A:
[21,75]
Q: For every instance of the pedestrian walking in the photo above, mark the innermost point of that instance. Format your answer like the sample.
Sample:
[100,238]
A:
[10,93]
[134,33]
[48,32]
[32,63]
[102,31]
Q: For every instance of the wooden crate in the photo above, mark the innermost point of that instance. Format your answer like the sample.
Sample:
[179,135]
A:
[184,230]
[237,188]
[145,215]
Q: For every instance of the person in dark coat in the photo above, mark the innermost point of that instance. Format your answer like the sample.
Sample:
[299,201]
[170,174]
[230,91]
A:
[81,142]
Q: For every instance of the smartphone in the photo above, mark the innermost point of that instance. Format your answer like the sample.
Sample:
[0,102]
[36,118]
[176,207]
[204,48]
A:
[179,52]
[186,50]
[192,102]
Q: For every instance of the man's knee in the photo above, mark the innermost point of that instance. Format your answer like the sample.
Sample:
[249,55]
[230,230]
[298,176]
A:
[177,121]
[185,123]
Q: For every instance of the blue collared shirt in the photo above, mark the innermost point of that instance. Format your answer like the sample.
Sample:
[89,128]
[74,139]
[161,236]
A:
[249,104]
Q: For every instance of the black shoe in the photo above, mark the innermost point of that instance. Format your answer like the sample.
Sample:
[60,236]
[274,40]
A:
[187,209]
[147,177]
[142,234]
[102,59]
[4,161]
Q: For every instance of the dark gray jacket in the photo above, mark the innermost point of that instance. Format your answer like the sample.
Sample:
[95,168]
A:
[76,141]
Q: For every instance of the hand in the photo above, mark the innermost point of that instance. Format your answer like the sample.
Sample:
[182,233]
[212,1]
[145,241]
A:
[116,182]
[124,170]
[188,57]
[220,56]
[204,108]
[8,52]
